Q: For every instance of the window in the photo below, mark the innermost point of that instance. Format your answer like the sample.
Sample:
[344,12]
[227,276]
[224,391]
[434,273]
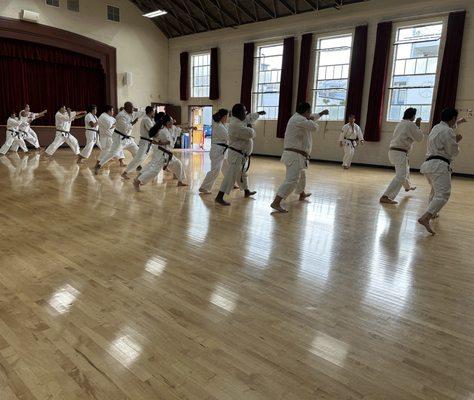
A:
[73,5]
[415,62]
[54,3]
[267,89]
[331,78]
[113,13]
[200,74]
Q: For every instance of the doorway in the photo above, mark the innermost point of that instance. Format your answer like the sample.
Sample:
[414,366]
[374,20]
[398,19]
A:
[201,118]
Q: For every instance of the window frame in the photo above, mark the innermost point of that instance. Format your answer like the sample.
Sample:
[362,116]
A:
[107,13]
[441,20]
[315,71]
[191,74]
[255,93]
[52,5]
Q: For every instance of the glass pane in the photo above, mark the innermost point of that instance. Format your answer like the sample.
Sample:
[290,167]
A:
[420,66]
[422,96]
[336,83]
[414,80]
[417,32]
[326,98]
[432,64]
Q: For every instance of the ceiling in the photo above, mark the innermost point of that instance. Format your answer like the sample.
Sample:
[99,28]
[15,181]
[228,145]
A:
[186,17]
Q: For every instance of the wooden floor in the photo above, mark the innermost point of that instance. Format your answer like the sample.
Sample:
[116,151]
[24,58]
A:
[110,294]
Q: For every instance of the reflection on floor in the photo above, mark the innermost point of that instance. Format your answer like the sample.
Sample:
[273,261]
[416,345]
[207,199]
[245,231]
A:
[110,294]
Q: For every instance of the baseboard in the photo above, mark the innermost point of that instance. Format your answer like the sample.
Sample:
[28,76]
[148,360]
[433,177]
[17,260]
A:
[457,174]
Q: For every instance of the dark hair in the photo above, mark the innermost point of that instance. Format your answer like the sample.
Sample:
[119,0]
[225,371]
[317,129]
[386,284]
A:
[409,113]
[238,111]
[159,116]
[127,104]
[448,114]
[160,123]
[108,108]
[351,116]
[220,114]
[303,107]
[148,110]
[90,108]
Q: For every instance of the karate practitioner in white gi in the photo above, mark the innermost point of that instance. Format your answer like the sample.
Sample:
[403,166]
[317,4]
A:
[12,135]
[26,118]
[91,126]
[161,134]
[144,146]
[443,147]
[406,132]
[298,144]
[121,138]
[351,136]
[218,153]
[63,120]
[241,135]
[106,130]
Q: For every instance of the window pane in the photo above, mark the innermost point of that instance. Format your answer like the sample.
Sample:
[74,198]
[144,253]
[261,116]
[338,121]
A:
[200,75]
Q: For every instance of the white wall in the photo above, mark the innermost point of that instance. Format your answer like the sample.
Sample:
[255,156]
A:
[141,47]
[230,42]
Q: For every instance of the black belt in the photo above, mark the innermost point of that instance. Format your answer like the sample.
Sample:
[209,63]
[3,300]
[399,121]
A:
[150,142]
[25,133]
[439,158]
[167,152]
[122,134]
[399,149]
[65,133]
[246,164]
[95,131]
[224,145]
[352,141]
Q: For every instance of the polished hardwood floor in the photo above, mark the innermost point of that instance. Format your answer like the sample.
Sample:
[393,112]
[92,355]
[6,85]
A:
[110,294]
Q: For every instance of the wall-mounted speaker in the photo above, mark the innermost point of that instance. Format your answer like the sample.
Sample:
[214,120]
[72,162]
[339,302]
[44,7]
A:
[29,16]
[128,79]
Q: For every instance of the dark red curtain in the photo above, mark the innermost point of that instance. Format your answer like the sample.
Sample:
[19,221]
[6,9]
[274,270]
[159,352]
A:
[247,76]
[305,58]
[449,75]
[184,77]
[214,83]
[378,83]
[46,78]
[357,73]
[286,86]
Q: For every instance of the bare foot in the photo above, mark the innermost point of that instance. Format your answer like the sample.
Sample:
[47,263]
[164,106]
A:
[136,185]
[304,196]
[345,167]
[222,202]
[249,193]
[278,208]
[410,189]
[386,200]
[426,223]
[204,191]
[124,175]
[182,184]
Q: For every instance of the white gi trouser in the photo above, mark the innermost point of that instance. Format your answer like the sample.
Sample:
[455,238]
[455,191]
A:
[438,173]
[349,149]
[154,167]
[295,179]
[218,156]
[144,148]
[176,167]
[119,144]
[32,137]
[61,138]
[402,173]
[105,144]
[92,138]
[235,172]
[13,138]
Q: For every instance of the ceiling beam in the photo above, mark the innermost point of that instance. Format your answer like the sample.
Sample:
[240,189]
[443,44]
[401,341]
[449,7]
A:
[207,14]
[223,11]
[311,4]
[244,10]
[265,8]
[287,6]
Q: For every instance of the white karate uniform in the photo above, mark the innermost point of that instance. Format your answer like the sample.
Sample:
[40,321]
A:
[25,128]
[441,142]
[298,135]
[144,146]
[13,136]
[92,135]
[106,130]
[349,137]
[120,143]
[63,135]
[406,132]
[218,155]
[240,138]
[175,165]
[158,157]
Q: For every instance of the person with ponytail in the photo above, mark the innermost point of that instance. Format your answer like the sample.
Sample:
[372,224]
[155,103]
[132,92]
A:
[218,153]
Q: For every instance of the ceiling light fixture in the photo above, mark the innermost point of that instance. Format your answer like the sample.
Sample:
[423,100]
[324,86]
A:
[154,14]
